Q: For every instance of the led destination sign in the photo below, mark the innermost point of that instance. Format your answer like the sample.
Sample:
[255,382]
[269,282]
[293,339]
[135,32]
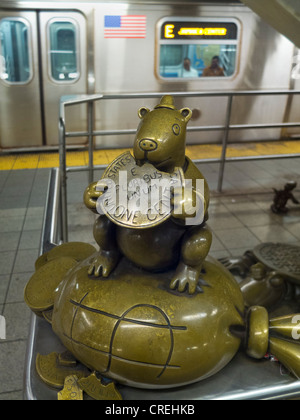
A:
[199,30]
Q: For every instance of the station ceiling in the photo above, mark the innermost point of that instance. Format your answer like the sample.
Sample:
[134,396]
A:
[283,15]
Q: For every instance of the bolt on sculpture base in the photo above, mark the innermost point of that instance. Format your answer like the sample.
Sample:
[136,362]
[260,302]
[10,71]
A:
[150,309]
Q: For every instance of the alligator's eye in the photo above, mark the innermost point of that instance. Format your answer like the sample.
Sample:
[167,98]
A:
[176,129]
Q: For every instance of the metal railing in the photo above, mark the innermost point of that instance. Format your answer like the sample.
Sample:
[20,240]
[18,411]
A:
[91,133]
[51,230]
[51,237]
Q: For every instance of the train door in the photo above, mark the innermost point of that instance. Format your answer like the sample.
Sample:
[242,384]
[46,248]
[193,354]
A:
[20,110]
[64,68]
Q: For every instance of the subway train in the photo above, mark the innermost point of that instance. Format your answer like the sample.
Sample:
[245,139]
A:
[51,49]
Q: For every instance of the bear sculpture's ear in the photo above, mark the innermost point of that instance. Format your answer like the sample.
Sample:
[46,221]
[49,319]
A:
[186,113]
[142,112]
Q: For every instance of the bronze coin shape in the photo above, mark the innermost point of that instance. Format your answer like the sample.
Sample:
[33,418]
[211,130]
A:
[137,197]
[39,292]
[283,258]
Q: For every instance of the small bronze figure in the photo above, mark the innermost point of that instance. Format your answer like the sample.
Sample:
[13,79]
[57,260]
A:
[270,272]
[263,287]
[282,197]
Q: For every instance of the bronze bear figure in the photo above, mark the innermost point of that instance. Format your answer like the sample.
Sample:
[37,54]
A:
[161,142]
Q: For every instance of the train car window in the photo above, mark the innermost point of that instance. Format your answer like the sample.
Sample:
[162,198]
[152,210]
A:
[198,48]
[64,58]
[15,64]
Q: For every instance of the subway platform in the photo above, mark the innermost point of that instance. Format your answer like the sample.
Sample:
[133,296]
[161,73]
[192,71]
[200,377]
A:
[240,218]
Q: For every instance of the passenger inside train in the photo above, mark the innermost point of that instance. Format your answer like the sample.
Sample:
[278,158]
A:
[191,61]
[214,70]
[188,70]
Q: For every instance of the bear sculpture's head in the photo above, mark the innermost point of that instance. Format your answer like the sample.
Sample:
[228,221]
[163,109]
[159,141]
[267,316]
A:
[161,135]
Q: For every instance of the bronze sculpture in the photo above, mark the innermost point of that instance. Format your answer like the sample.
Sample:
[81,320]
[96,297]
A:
[150,309]
[282,197]
[270,274]
[160,141]
[263,287]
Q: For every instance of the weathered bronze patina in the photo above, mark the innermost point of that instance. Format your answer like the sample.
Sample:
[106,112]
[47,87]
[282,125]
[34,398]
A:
[150,309]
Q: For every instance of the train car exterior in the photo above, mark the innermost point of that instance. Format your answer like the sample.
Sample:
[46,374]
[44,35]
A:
[59,48]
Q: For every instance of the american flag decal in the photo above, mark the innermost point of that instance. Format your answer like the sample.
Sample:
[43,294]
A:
[127,26]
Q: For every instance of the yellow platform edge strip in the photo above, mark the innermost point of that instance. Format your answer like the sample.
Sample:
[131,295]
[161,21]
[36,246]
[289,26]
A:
[104,157]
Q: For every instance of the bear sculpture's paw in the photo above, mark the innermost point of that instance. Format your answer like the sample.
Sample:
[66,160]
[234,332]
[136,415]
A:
[187,278]
[104,263]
